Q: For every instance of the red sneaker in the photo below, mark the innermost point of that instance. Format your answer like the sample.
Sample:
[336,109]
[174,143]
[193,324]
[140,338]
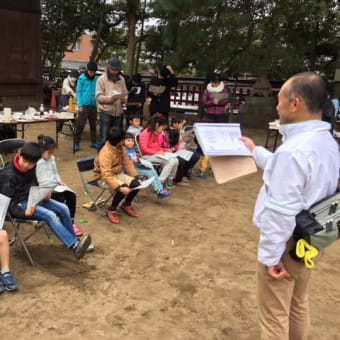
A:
[112,215]
[129,210]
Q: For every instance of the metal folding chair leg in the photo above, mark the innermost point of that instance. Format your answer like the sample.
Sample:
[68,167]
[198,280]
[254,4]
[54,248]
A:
[92,188]
[38,225]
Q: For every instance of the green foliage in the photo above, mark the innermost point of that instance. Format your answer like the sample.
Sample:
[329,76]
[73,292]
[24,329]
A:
[276,37]
[62,22]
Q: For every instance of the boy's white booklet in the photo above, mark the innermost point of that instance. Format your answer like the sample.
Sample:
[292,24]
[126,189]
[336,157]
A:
[4,203]
[144,184]
[37,194]
[219,139]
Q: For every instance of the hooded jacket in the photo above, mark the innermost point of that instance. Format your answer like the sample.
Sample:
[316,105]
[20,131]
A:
[86,91]
[16,185]
[113,160]
[104,90]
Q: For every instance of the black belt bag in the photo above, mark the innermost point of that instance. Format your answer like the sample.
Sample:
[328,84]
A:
[320,224]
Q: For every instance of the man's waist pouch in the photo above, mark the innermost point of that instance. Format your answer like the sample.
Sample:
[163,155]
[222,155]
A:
[320,224]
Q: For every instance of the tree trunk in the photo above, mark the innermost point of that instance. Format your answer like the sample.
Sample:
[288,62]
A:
[132,39]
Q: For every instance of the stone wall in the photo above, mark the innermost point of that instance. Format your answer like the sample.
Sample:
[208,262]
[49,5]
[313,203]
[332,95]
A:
[257,112]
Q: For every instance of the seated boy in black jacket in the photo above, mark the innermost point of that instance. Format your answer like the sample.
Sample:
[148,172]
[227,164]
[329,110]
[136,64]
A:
[16,180]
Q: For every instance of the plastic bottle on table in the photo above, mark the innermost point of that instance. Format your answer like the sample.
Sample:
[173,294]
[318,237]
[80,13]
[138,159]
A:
[41,109]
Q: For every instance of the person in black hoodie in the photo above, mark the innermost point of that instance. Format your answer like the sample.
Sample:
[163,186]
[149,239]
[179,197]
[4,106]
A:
[160,89]
[136,98]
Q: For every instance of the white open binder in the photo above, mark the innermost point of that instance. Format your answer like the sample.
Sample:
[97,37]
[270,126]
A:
[220,139]
[229,157]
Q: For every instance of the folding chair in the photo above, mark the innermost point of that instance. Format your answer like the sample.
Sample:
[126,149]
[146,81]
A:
[18,235]
[85,167]
[8,146]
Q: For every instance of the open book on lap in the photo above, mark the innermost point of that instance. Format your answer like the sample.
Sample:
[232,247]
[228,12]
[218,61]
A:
[166,155]
[185,154]
[37,194]
[62,188]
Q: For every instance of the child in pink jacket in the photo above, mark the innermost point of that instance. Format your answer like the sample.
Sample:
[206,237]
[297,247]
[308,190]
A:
[153,152]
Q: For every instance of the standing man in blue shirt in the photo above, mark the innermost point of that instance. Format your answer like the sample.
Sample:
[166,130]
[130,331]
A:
[87,105]
[301,172]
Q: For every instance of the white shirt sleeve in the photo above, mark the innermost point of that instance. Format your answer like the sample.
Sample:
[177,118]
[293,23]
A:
[284,182]
[261,156]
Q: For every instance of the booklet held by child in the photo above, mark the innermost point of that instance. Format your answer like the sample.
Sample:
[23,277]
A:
[37,194]
[4,203]
[144,184]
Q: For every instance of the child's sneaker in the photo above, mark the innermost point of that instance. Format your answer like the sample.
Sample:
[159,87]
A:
[112,215]
[90,248]
[170,183]
[9,282]
[81,246]
[129,210]
[77,230]
[163,193]
[204,175]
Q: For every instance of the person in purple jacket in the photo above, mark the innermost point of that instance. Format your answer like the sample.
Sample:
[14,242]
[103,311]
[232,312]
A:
[216,98]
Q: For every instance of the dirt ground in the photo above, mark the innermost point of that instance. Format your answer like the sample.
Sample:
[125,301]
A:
[183,270]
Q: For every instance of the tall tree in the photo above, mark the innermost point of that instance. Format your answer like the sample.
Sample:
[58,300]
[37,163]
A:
[61,26]
[278,37]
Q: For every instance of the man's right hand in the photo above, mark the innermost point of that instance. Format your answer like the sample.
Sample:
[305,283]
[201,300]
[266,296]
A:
[249,143]
[278,272]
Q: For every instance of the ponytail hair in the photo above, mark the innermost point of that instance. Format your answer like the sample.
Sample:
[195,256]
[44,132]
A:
[46,143]
[159,119]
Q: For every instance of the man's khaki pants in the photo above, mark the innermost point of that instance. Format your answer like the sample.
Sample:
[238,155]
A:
[283,305]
